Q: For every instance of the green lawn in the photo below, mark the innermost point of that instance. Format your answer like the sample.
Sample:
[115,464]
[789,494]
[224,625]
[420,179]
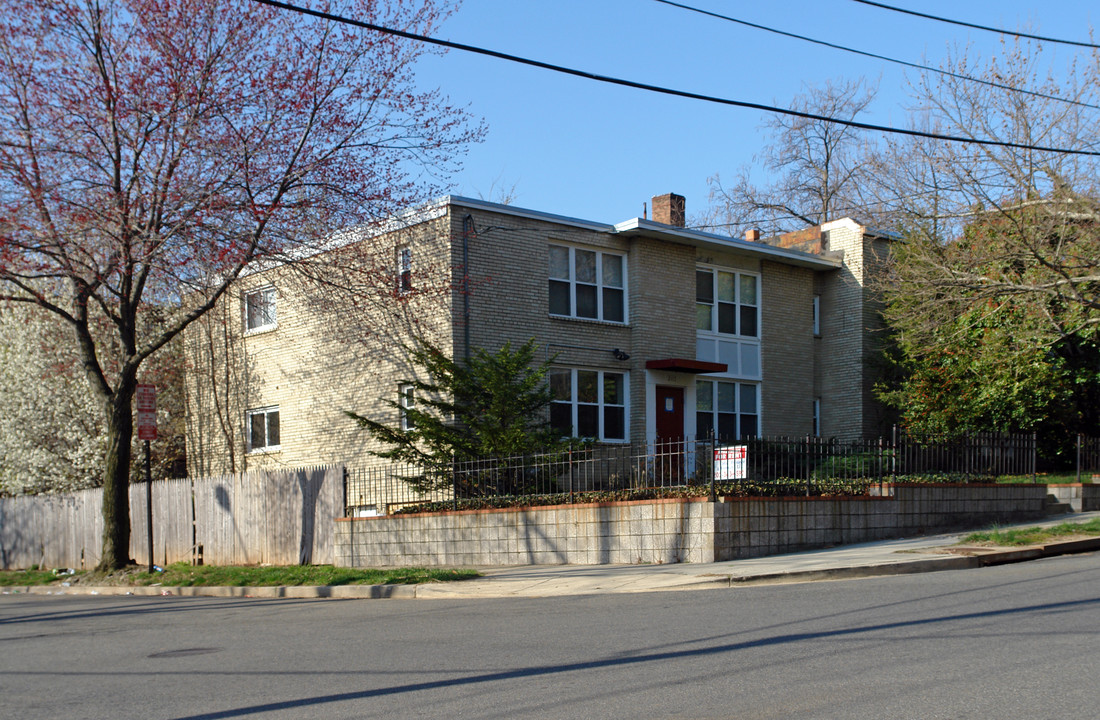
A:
[182,574]
[1065,478]
[1033,535]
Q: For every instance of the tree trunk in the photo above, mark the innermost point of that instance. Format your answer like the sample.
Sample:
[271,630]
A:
[116,479]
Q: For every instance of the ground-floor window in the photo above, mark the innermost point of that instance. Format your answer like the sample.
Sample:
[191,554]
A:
[589,403]
[730,410]
[262,429]
[406,400]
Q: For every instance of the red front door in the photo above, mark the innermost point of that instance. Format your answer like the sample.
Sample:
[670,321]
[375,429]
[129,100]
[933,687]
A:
[668,450]
[670,413]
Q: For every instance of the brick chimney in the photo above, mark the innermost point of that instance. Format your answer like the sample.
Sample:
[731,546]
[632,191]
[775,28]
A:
[669,209]
[752,234]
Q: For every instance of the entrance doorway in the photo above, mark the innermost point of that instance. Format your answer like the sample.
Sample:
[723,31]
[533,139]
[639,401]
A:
[668,458]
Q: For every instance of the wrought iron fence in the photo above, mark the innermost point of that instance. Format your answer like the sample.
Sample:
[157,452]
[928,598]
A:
[1088,458]
[970,455]
[751,466]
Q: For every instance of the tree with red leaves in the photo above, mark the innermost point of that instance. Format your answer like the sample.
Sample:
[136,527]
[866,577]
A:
[151,149]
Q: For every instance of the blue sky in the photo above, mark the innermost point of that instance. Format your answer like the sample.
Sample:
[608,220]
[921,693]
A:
[584,149]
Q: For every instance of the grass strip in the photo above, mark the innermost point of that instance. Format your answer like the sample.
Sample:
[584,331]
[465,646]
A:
[1033,535]
[185,575]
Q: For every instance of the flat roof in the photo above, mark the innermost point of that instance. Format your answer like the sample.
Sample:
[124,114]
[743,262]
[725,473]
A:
[639,227]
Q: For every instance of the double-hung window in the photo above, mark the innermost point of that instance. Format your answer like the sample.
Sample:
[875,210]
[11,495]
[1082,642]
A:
[589,403]
[262,429]
[259,309]
[726,303]
[728,409]
[406,400]
[727,320]
[588,284]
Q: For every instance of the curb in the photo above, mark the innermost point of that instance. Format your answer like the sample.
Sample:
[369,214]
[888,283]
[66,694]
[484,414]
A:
[982,557]
[858,571]
[300,592]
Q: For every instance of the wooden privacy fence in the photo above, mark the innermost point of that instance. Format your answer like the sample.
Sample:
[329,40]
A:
[279,517]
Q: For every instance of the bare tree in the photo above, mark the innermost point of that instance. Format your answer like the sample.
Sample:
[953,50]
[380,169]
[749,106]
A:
[151,151]
[820,169]
[990,225]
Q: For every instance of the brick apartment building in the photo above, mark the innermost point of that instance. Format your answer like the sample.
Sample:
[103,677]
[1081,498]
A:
[656,330]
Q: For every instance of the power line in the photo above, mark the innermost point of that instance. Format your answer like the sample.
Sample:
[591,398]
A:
[1077,43]
[918,66]
[665,90]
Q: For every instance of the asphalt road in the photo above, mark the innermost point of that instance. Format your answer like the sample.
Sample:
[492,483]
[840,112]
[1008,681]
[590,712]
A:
[1004,642]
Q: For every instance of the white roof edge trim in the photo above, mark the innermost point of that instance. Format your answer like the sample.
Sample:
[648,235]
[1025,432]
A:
[410,217]
[526,213]
[696,237]
[857,225]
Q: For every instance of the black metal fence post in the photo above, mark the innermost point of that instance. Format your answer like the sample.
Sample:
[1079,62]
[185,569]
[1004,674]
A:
[713,470]
[1034,453]
[345,473]
[807,461]
[454,483]
[878,465]
[897,452]
[1078,480]
[570,474]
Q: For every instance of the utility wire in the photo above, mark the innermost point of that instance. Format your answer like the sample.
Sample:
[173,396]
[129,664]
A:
[665,90]
[884,6]
[918,66]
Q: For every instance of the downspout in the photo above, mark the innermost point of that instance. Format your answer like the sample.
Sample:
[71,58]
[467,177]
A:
[467,231]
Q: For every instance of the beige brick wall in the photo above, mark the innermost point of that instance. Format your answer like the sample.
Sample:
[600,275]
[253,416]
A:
[331,350]
[848,352]
[787,352]
[509,301]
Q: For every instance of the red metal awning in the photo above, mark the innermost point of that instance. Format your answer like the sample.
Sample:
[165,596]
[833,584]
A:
[685,366]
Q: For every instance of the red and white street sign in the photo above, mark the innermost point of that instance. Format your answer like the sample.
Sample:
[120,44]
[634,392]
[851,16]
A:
[146,400]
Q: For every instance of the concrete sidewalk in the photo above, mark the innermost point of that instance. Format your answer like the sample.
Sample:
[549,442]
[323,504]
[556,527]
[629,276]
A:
[888,557]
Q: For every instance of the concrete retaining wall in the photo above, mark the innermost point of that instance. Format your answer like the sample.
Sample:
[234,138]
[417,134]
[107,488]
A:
[667,531]
[1081,497]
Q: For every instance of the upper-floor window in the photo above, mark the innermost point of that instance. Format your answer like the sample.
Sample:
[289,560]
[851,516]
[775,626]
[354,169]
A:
[262,429]
[817,314]
[404,270]
[726,302]
[259,309]
[587,284]
[588,403]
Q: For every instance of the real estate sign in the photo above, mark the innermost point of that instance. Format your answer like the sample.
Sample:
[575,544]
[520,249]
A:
[729,462]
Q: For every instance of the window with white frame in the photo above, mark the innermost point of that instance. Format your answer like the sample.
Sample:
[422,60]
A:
[588,284]
[407,401]
[726,302]
[262,429]
[817,315]
[731,410]
[259,309]
[404,270]
[589,403]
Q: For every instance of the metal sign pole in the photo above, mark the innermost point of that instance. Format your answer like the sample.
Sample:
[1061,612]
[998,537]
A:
[149,502]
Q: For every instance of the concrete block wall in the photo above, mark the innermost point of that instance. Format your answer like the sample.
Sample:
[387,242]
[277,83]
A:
[674,530]
[1082,497]
[590,534]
